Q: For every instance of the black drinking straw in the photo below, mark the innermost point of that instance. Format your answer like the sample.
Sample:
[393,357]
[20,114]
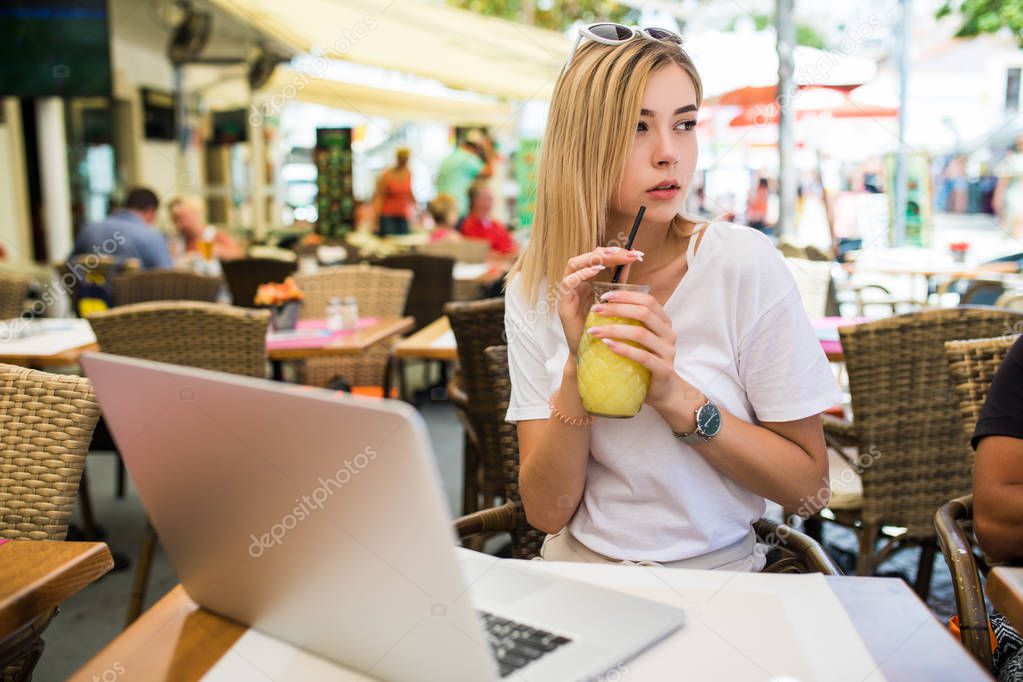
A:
[628,245]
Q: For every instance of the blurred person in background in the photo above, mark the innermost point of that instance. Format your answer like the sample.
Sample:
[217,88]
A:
[444,211]
[756,205]
[198,239]
[1007,200]
[393,199]
[128,233]
[479,225]
[468,163]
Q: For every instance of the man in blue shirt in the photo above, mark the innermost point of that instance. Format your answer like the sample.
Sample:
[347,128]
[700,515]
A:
[128,233]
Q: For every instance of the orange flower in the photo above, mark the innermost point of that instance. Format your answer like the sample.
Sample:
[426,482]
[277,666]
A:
[278,294]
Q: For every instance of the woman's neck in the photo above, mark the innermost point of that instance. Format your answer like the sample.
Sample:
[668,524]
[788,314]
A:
[660,243]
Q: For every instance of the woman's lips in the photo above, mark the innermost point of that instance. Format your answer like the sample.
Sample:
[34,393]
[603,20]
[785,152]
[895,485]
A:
[663,194]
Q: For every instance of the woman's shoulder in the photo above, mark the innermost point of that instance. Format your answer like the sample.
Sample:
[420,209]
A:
[737,243]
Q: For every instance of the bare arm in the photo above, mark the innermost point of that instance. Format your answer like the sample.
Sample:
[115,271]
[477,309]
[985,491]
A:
[786,462]
[998,497]
[553,458]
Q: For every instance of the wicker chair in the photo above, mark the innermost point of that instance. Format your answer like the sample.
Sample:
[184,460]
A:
[972,365]
[477,325]
[792,551]
[246,274]
[910,453]
[210,336]
[46,422]
[431,285]
[13,292]
[1012,300]
[164,285]
[380,292]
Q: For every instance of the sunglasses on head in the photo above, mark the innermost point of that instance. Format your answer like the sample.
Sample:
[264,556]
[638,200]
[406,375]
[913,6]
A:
[616,34]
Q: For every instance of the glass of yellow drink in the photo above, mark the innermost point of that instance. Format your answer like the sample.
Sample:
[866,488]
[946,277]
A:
[610,385]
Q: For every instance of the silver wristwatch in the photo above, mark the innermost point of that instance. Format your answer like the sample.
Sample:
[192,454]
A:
[708,425]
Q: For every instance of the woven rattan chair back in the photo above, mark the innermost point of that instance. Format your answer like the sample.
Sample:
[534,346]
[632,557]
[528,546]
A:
[431,285]
[906,416]
[164,285]
[380,292]
[206,335]
[478,325]
[973,365]
[13,292]
[526,540]
[46,424]
[244,276]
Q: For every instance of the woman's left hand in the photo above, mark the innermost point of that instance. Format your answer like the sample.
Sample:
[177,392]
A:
[656,337]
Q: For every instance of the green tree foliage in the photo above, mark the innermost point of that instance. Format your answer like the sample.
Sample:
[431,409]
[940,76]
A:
[805,35]
[554,15]
[986,16]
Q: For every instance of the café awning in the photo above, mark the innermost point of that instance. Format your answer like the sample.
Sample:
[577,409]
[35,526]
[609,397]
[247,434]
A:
[288,84]
[461,49]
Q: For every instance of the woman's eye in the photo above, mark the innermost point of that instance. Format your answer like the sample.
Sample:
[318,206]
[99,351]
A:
[640,127]
[686,125]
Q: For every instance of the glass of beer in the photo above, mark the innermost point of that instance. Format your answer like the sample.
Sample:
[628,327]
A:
[610,385]
[206,243]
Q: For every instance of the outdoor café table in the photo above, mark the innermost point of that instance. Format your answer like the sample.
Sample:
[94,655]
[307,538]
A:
[1005,590]
[45,342]
[312,340]
[435,341]
[827,333]
[36,576]
[736,627]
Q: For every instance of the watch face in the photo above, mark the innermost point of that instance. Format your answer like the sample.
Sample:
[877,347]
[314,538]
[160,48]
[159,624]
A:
[708,420]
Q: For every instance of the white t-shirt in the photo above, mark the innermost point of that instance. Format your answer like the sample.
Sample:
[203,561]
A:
[744,340]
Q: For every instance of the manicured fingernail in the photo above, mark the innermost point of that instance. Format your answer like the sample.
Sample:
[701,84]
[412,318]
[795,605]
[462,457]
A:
[638,254]
[613,249]
[608,296]
[597,308]
[596,268]
[594,331]
[609,342]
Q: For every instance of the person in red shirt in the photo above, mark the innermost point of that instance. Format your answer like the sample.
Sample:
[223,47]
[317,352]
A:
[479,225]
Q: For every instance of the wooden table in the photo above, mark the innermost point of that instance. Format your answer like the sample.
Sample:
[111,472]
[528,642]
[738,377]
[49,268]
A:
[61,343]
[1005,589]
[354,343]
[36,576]
[433,342]
[175,640]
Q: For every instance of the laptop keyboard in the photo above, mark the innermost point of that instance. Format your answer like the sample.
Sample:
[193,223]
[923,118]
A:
[516,645]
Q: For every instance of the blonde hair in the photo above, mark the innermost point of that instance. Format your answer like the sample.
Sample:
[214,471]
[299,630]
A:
[590,128]
[443,209]
[189,201]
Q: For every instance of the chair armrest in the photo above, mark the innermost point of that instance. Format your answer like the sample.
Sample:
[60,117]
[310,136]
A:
[800,553]
[958,551]
[493,520]
[838,432]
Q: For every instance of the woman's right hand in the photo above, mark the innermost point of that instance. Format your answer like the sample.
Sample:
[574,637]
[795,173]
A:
[574,291]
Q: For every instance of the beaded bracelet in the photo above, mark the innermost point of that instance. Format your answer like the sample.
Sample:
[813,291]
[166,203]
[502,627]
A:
[564,418]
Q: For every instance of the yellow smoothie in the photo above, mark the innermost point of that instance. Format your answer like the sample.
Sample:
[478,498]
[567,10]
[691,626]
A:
[609,384]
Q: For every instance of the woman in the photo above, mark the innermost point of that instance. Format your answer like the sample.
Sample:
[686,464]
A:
[201,242]
[722,331]
[393,200]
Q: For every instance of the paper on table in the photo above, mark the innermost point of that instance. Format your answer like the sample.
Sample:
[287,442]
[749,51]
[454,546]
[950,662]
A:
[739,626]
[445,340]
[54,336]
[469,270]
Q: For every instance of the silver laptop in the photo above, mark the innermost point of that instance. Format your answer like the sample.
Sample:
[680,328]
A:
[319,519]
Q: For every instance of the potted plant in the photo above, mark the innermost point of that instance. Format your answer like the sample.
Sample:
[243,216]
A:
[284,300]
